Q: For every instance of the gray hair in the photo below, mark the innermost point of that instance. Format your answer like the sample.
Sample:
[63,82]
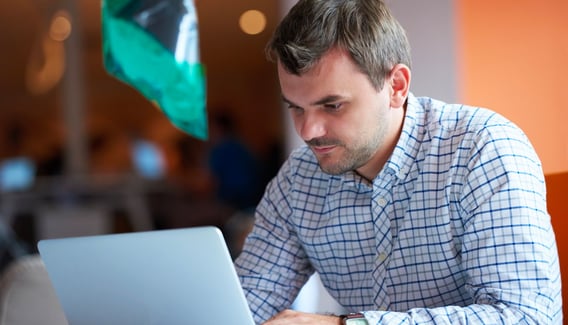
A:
[366,29]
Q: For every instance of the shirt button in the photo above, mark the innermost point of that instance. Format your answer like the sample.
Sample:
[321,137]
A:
[382,308]
[382,257]
[381,201]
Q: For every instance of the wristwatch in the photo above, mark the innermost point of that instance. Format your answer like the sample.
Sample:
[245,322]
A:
[353,319]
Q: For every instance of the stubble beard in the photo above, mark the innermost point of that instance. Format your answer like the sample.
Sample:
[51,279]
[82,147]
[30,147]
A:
[352,156]
[351,159]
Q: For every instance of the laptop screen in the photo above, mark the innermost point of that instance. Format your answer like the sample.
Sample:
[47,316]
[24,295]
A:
[174,277]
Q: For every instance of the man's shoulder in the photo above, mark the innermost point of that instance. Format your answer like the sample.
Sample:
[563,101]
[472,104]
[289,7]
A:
[299,176]
[302,153]
[458,117]
[302,169]
[302,162]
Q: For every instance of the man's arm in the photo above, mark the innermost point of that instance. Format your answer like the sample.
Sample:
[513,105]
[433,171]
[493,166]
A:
[288,317]
[508,250]
[272,266]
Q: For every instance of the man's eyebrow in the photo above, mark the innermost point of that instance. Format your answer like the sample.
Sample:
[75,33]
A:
[287,101]
[327,99]
[322,101]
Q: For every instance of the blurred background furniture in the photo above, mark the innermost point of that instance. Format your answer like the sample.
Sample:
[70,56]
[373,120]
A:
[557,200]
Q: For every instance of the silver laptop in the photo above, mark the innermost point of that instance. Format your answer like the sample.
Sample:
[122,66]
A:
[180,276]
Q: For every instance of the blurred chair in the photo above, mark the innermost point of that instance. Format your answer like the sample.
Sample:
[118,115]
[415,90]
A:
[236,229]
[27,296]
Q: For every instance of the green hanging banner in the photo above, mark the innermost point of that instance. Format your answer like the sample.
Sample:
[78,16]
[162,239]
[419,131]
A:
[153,46]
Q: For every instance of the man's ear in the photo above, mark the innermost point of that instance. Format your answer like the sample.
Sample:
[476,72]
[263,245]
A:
[399,81]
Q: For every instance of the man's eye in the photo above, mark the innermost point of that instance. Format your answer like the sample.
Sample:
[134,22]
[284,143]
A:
[335,106]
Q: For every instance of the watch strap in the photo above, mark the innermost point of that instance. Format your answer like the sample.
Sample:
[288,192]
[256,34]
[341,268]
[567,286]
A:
[346,317]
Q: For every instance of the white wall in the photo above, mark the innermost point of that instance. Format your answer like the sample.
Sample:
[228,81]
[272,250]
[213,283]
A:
[431,30]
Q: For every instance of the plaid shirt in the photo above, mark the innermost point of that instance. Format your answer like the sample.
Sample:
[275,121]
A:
[454,229]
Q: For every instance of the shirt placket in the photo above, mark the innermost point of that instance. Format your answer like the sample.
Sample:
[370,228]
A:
[380,205]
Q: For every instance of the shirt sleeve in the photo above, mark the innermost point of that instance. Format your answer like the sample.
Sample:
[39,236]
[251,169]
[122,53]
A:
[509,250]
[272,266]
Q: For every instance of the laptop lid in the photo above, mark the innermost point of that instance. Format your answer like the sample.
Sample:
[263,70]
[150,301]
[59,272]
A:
[178,276]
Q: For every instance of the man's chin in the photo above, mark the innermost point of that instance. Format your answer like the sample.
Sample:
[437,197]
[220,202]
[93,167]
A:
[329,164]
[331,169]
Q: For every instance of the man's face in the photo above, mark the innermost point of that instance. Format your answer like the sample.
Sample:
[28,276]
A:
[343,118]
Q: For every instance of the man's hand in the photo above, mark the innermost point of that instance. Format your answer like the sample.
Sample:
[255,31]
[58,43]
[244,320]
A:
[298,318]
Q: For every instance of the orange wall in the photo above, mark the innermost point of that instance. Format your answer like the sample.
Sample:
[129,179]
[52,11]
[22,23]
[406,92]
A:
[513,58]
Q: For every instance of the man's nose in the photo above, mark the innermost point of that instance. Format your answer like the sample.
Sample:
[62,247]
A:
[312,126]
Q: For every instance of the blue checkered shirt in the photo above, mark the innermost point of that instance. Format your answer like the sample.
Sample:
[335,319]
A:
[453,230]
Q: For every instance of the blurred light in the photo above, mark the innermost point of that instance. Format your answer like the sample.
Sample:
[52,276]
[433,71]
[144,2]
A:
[45,67]
[60,27]
[16,174]
[148,159]
[46,64]
[252,22]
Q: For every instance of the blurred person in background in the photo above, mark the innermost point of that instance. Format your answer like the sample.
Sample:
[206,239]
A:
[234,167]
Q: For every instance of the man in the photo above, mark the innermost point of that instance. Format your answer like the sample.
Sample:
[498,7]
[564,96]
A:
[412,211]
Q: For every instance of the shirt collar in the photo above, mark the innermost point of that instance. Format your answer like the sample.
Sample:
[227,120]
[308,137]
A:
[407,148]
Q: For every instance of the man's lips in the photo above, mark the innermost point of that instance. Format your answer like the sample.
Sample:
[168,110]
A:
[321,150]
[322,146]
